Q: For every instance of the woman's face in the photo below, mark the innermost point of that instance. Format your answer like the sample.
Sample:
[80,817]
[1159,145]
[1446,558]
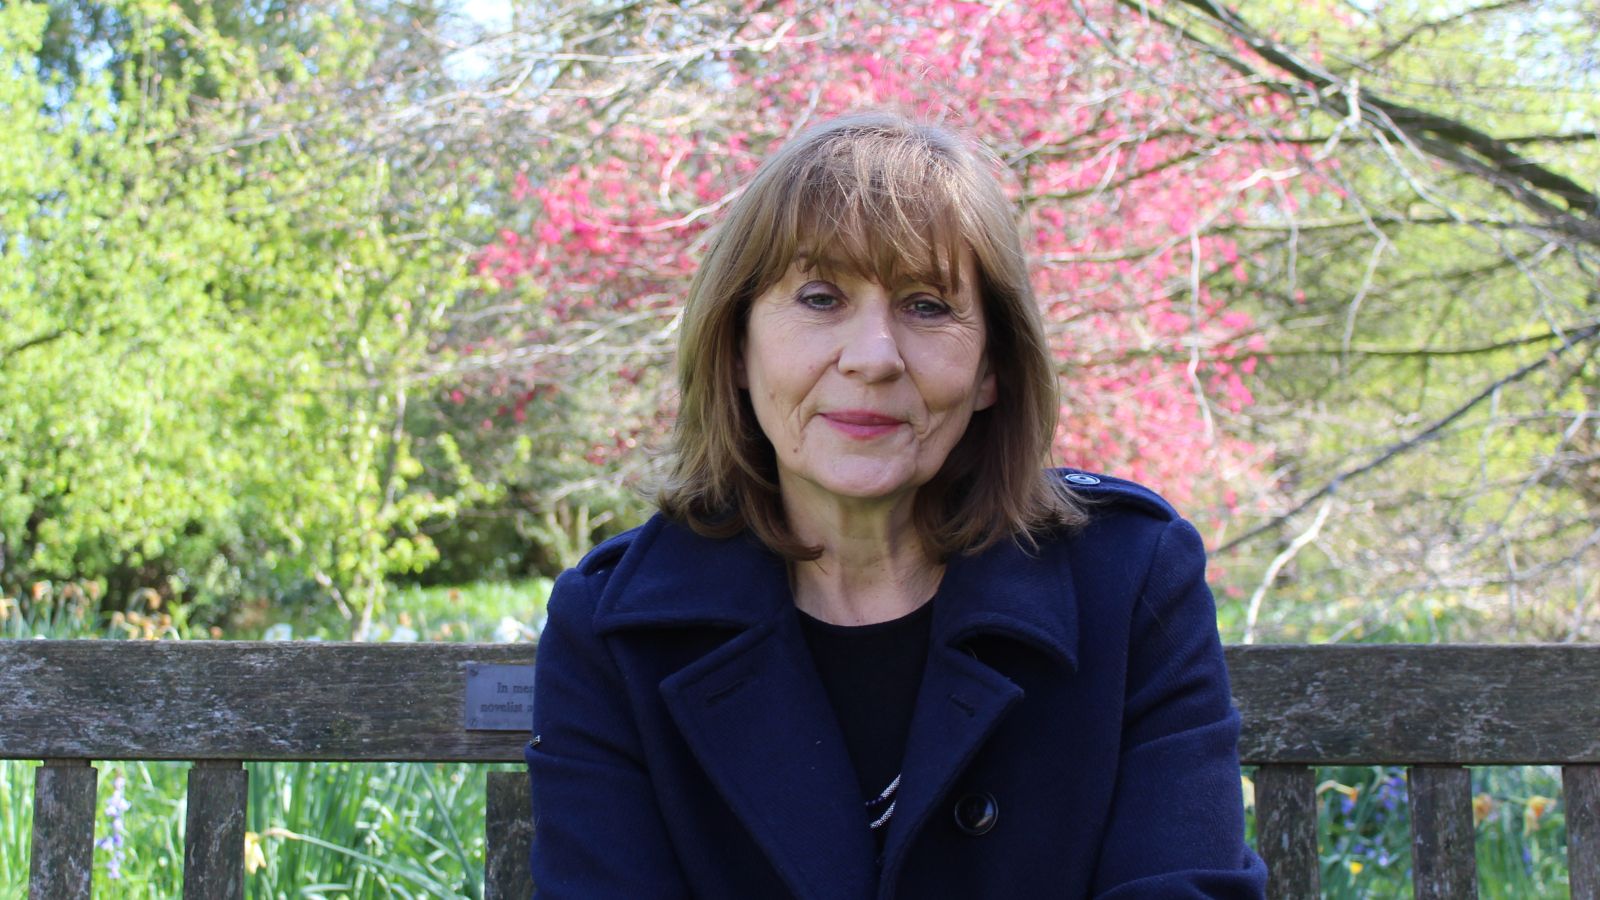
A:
[864,388]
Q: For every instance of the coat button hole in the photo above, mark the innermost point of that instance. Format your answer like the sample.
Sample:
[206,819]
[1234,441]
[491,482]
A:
[723,693]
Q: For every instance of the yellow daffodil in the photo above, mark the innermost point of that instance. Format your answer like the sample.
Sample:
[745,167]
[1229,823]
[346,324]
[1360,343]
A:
[254,858]
[1534,811]
[1483,807]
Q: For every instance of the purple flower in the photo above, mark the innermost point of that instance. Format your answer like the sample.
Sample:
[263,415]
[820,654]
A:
[1392,792]
[116,805]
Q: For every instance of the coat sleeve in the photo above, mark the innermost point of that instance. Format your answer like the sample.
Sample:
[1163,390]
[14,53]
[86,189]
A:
[598,830]
[1177,817]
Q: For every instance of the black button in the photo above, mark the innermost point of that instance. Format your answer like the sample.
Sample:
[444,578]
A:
[977,813]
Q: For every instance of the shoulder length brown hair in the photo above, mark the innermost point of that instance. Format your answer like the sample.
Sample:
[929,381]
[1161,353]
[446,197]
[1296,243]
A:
[888,197]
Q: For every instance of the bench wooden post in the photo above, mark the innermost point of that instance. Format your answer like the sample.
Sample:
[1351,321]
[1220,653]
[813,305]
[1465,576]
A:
[508,829]
[1444,864]
[61,865]
[1286,831]
[1580,791]
[213,838]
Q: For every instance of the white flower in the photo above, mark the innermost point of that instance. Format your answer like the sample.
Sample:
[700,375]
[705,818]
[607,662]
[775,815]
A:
[509,631]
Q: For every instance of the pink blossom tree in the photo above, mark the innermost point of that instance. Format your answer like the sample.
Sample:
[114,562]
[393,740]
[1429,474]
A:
[1124,163]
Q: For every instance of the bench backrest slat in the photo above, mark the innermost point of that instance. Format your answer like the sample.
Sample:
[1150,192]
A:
[1317,705]
[1286,831]
[185,700]
[213,838]
[1449,704]
[62,854]
[1444,864]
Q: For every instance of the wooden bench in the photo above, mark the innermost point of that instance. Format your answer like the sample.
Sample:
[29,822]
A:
[1434,709]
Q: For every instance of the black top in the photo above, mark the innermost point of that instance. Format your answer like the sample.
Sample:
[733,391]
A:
[871,674]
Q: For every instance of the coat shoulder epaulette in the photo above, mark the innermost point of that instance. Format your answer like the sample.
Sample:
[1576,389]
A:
[1100,490]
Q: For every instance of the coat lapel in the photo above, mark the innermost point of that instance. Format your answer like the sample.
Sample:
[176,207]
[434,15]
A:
[752,711]
[757,719]
[960,703]
[1003,592]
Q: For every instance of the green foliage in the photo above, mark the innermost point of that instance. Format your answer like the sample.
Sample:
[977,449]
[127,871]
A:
[211,319]
[382,830]
[540,443]
[16,825]
[1302,614]
[481,611]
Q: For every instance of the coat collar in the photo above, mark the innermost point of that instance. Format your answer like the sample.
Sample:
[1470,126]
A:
[670,576]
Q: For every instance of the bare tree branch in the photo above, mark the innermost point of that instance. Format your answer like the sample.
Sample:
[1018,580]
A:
[1573,339]
[36,341]
[1436,26]
[1448,139]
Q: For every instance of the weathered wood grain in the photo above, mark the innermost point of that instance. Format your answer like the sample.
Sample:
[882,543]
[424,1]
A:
[1286,831]
[246,700]
[1449,704]
[213,839]
[61,864]
[1444,866]
[1328,705]
[508,828]
[1580,789]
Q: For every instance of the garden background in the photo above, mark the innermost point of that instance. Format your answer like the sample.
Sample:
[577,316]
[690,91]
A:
[353,319]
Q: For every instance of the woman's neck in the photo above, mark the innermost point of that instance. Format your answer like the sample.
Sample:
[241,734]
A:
[873,566]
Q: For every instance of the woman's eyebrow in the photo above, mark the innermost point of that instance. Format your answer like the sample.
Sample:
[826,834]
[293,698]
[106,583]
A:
[825,263]
[936,280]
[811,260]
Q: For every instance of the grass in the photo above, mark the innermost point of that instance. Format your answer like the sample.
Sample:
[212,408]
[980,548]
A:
[485,611]
[388,830]
[16,824]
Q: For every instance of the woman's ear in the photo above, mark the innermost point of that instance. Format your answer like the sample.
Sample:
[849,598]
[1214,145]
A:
[988,389]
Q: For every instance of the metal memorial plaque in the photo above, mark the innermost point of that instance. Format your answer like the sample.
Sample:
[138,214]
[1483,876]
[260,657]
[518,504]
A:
[499,698]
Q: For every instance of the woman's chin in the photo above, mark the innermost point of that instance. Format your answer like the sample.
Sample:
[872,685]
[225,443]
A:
[866,484]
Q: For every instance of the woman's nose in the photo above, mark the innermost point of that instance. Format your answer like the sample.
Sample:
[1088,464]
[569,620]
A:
[870,349]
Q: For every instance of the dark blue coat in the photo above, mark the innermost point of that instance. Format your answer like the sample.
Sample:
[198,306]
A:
[685,746]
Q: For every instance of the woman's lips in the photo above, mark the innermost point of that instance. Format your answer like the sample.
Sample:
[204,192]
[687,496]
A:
[862,424]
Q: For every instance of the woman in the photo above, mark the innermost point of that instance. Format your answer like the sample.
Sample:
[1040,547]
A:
[867,648]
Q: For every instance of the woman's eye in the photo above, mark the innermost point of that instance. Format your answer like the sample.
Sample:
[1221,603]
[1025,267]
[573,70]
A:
[927,307]
[812,298]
